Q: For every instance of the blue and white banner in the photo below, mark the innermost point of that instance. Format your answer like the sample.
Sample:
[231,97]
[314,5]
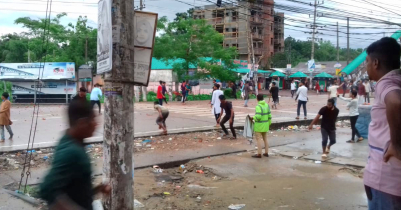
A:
[33,71]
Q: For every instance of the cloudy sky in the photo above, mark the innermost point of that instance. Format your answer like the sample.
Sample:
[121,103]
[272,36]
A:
[370,19]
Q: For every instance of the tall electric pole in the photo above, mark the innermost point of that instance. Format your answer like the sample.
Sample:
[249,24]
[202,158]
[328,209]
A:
[338,46]
[119,109]
[313,40]
[347,40]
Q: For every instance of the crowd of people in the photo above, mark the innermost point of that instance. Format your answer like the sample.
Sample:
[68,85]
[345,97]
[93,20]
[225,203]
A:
[68,183]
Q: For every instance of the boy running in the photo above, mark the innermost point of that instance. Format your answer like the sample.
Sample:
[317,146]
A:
[274,93]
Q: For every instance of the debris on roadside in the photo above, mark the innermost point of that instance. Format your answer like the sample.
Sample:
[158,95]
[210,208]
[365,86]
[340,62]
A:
[236,206]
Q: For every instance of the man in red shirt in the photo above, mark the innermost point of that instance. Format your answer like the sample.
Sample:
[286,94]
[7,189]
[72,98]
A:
[160,95]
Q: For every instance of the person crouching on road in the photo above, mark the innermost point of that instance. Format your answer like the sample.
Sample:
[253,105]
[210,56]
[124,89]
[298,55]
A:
[263,119]
[227,107]
[161,119]
[328,127]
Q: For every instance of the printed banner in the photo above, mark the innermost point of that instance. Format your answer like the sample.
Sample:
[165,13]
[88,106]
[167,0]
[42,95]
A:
[37,70]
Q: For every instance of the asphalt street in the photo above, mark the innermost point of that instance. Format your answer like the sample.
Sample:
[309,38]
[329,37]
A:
[51,122]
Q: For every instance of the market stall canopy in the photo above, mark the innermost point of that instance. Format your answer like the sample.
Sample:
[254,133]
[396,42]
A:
[277,74]
[298,75]
[324,75]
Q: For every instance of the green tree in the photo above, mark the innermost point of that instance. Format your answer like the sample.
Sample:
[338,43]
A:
[201,46]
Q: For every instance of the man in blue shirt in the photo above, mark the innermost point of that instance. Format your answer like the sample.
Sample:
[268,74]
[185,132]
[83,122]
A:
[96,94]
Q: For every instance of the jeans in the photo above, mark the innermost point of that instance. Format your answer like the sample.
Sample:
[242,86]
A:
[303,103]
[165,100]
[353,120]
[184,96]
[224,120]
[262,137]
[96,102]
[234,94]
[246,102]
[216,115]
[367,97]
[292,93]
[160,101]
[327,134]
[344,90]
[162,121]
[378,200]
[2,131]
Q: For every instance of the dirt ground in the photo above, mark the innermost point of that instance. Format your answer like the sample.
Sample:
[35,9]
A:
[268,183]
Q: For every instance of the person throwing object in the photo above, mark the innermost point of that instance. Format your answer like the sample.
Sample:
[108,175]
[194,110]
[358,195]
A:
[328,126]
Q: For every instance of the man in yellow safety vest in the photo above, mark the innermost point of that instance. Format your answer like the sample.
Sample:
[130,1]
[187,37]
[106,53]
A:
[263,119]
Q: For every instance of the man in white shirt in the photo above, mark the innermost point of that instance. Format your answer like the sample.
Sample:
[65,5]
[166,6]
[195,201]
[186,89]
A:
[367,90]
[293,88]
[96,94]
[302,96]
[215,103]
[333,92]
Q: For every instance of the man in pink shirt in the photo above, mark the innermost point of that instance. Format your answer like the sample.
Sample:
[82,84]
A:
[382,176]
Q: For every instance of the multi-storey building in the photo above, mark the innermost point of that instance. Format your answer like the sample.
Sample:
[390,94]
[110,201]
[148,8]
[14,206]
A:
[250,27]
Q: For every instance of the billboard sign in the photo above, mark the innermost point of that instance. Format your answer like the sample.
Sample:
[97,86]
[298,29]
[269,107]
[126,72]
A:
[45,87]
[56,70]
[242,64]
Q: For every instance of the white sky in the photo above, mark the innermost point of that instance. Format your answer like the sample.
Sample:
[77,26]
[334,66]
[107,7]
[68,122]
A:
[12,9]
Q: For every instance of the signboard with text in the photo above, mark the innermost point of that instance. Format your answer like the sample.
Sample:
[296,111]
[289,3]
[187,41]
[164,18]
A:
[56,70]
[104,37]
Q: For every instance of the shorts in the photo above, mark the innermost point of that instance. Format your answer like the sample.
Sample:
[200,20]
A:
[162,121]
[275,100]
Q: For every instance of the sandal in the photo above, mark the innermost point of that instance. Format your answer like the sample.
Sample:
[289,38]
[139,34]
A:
[266,154]
[324,156]
[327,150]
[233,138]
[297,118]
[360,139]
[257,156]
[350,141]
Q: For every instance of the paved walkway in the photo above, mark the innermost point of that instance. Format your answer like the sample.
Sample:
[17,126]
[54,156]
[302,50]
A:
[195,115]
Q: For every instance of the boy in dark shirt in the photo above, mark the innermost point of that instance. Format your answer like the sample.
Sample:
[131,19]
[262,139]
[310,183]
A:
[228,109]
[68,184]
[274,93]
[328,127]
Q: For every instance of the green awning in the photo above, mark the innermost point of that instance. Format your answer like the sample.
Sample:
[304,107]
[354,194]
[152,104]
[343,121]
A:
[298,75]
[277,74]
[324,75]
[263,71]
[362,57]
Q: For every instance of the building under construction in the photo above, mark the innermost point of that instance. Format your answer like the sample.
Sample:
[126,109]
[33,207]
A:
[250,27]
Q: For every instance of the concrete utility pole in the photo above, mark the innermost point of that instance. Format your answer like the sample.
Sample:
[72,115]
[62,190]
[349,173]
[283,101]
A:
[313,39]
[255,73]
[86,50]
[119,110]
[338,47]
[347,40]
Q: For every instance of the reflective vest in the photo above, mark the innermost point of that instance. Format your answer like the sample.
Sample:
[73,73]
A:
[263,117]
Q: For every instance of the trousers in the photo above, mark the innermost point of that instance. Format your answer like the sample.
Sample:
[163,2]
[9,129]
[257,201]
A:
[96,102]
[326,135]
[303,103]
[378,200]
[8,127]
[355,131]
[224,120]
[262,137]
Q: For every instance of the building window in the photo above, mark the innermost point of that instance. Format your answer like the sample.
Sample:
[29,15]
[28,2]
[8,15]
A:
[271,41]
